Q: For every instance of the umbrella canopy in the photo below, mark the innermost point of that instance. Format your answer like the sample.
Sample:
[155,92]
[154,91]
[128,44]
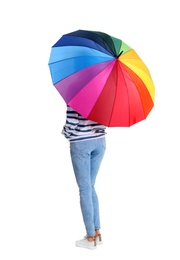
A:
[102,78]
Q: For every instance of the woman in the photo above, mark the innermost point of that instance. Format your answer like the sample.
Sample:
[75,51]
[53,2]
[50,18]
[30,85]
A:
[87,148]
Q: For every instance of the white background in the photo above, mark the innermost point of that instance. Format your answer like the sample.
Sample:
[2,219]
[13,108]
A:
[138,183]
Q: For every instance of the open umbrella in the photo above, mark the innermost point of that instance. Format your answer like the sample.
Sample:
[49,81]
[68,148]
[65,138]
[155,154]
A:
[102,78]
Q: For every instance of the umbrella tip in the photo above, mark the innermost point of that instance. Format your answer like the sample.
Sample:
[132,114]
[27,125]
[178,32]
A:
[119,54]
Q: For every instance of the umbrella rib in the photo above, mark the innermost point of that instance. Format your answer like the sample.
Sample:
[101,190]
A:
[115,91]
[85,52]
[119,64]
[124,66]
[83,57]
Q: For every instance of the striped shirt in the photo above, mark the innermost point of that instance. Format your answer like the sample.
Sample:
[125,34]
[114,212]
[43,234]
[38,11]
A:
[77,128]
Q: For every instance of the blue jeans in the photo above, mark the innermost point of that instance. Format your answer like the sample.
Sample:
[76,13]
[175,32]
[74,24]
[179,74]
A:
[86,158]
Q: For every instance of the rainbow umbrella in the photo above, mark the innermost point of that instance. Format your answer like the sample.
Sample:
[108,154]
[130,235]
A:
[102,78]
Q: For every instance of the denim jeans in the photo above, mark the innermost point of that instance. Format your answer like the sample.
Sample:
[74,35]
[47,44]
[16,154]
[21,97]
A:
[86,159]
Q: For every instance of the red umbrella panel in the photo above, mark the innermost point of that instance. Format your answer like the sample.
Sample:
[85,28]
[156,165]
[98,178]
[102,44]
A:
[102,78]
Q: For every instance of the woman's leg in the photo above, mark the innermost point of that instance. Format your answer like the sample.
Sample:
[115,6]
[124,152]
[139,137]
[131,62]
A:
[96,159]
[81,156]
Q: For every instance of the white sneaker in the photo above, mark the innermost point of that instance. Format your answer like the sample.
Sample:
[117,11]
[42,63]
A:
[86,244]
[98,239]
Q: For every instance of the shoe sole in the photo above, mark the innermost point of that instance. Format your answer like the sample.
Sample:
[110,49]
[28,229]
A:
[82,246]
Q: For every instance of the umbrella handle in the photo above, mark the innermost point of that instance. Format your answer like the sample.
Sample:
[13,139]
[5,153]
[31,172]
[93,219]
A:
[119,54]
